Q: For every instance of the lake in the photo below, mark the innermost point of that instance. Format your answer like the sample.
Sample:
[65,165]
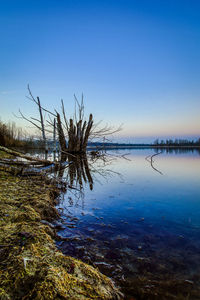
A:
[137,220]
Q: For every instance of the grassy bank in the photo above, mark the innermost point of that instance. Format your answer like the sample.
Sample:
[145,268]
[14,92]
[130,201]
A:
[31,267]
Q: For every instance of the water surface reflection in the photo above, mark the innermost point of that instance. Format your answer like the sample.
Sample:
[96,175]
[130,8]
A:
[138,226]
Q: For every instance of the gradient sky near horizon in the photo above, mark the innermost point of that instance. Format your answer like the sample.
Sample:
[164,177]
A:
[137,62]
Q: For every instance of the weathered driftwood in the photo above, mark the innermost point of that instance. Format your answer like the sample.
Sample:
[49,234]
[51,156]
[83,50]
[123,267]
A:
[78,135]
[31,171]
[76,130]
[42,124]
[54,135]
[61,135]
[34,165]
[20,163]
[41,121]
[87,133]
[21,155]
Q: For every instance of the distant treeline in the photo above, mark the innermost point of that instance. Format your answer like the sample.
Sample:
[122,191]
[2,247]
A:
[13,136]
[10,135]
[177,142]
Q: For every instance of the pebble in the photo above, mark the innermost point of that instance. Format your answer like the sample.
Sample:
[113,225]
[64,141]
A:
[189,281]
[104,266]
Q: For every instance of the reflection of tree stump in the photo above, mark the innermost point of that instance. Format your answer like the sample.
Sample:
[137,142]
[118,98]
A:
[79,171]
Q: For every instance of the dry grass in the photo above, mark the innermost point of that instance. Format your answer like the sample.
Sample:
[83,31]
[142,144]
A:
[31,266]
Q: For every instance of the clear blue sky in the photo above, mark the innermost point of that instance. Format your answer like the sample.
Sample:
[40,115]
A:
[137,62]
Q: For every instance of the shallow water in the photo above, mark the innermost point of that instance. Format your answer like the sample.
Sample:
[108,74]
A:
[138,223]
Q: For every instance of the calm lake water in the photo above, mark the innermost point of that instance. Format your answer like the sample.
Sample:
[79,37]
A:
[138,223]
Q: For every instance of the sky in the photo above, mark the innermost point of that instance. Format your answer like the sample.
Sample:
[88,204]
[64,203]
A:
[136,62]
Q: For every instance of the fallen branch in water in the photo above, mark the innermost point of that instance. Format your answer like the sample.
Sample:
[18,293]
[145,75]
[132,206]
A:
[21,155]
[34,166]
[20,163]
[151,161]
[31,171]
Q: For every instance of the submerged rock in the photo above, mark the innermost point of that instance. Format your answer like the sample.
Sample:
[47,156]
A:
[104,267]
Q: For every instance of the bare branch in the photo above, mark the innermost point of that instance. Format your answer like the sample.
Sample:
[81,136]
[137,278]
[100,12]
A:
[33,99]
[25,118]
[64,115]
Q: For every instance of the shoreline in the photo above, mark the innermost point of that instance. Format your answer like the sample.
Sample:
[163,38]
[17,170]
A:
[31,265]
[142,147]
